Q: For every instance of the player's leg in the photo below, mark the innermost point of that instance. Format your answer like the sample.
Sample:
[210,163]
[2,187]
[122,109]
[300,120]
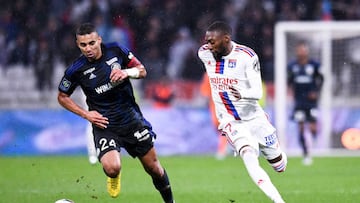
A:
[302,139]
[313,129]
[145,151]
[112,165]
[274,155]
[109,156]
[312,120]
[300,116]
[247,148]
[158,174]
[311,116]
[258,174]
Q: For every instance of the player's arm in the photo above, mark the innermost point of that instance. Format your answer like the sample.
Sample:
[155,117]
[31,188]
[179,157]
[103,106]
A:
[253,89]
[133,69]
[319,80]
[92,116]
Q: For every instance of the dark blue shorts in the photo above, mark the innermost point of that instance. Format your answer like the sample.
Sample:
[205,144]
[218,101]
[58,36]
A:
[136,141]
[305,114]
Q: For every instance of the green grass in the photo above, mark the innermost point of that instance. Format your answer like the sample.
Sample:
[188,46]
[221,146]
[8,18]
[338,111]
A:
[195,179]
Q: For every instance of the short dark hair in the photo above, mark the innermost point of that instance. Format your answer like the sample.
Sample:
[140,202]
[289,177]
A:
[220,26]
[85,28]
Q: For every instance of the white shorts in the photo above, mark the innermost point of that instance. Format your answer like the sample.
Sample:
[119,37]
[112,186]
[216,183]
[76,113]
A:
[258,133]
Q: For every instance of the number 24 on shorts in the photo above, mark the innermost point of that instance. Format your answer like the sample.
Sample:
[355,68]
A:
[105,144]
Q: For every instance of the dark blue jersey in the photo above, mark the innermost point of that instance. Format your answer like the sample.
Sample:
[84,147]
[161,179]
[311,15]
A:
[114,101]
[304,79]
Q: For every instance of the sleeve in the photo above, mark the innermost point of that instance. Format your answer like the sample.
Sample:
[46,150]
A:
[67,84]
[128,58]
[254,83]
[201,52]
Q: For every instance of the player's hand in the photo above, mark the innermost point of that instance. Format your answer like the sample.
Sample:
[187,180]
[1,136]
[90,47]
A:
[97,119]
[117,75]
[235,93]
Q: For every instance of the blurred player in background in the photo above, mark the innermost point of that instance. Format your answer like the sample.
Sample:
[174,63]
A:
[236,87]
[305,79]
[103,72]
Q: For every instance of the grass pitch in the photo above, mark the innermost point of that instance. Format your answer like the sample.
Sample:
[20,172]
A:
[194,179]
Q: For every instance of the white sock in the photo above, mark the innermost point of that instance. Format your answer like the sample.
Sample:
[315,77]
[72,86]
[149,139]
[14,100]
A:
[259,176]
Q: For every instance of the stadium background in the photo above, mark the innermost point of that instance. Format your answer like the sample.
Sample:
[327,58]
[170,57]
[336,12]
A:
[37,43]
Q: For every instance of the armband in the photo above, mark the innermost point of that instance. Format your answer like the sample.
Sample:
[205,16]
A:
[132,72]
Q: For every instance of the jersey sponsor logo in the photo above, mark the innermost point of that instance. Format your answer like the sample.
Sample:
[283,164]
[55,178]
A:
[111,61]
[65,84]
[303,79]
[220,83]
[232,63]
[106,87]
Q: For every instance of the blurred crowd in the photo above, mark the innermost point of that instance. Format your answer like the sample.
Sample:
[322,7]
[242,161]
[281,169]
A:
[164,34]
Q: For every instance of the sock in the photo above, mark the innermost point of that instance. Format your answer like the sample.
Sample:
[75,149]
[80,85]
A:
[163,186]
[259,176]
[281,164]
[303,143]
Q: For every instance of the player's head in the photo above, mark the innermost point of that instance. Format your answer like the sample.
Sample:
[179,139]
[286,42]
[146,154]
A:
[302,52]
[218,38]
[89,41]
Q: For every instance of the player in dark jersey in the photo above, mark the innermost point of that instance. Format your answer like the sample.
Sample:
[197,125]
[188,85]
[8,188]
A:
[103,72]
[305,79]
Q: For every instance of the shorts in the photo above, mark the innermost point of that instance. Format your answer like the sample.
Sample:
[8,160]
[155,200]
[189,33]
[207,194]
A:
[136,141]
[305,114]
[258,133]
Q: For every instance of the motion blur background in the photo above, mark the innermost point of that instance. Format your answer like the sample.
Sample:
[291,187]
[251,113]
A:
[37,43]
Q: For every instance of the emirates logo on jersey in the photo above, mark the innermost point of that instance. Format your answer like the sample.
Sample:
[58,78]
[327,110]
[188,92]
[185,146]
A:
[222,83]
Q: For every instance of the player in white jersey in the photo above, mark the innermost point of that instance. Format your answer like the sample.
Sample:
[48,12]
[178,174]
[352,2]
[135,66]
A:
[235,80]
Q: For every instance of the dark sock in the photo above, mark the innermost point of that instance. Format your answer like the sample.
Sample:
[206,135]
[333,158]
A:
[303,144]
[163,186]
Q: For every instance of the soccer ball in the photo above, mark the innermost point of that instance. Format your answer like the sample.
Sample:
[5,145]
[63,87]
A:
[64,201]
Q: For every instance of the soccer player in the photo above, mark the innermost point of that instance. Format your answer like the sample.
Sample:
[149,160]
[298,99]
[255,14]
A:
[236,86]
[305,79]
[103,71]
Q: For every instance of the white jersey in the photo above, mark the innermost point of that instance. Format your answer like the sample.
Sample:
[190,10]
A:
[241,70]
